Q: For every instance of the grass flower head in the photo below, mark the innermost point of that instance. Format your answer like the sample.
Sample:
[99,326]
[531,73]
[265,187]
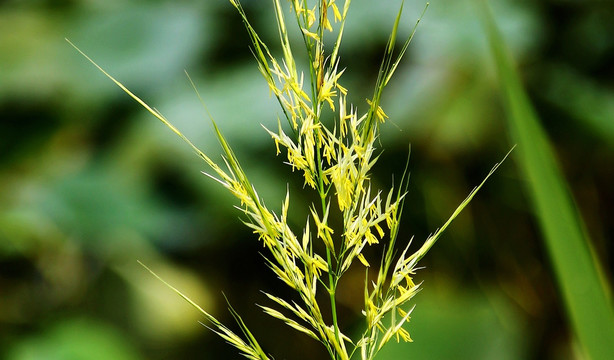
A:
[335,161]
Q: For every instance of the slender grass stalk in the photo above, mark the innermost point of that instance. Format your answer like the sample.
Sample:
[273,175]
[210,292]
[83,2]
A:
[577,270]
[335,160]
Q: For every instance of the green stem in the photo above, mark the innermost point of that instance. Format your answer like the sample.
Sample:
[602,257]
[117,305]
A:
[332,281]
[317,106]
[333,302]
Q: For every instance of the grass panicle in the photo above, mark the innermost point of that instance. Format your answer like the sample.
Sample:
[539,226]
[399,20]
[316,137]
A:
[335,161]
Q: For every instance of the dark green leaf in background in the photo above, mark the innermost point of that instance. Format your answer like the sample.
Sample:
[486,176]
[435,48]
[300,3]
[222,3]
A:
[577,268]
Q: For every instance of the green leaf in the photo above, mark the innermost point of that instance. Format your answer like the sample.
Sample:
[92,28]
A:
[576,268]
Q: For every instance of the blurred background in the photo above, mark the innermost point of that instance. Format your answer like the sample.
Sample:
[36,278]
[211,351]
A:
[90,183]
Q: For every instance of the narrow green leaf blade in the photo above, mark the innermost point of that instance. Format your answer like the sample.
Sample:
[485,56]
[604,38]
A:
[577,271]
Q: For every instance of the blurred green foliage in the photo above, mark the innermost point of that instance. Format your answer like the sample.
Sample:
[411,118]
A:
[578,271]
[89,183]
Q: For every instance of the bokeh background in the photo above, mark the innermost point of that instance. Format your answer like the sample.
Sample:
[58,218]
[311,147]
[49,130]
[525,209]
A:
[90,183]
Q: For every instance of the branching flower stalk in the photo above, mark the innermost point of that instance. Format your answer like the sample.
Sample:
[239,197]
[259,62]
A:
[335,160]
